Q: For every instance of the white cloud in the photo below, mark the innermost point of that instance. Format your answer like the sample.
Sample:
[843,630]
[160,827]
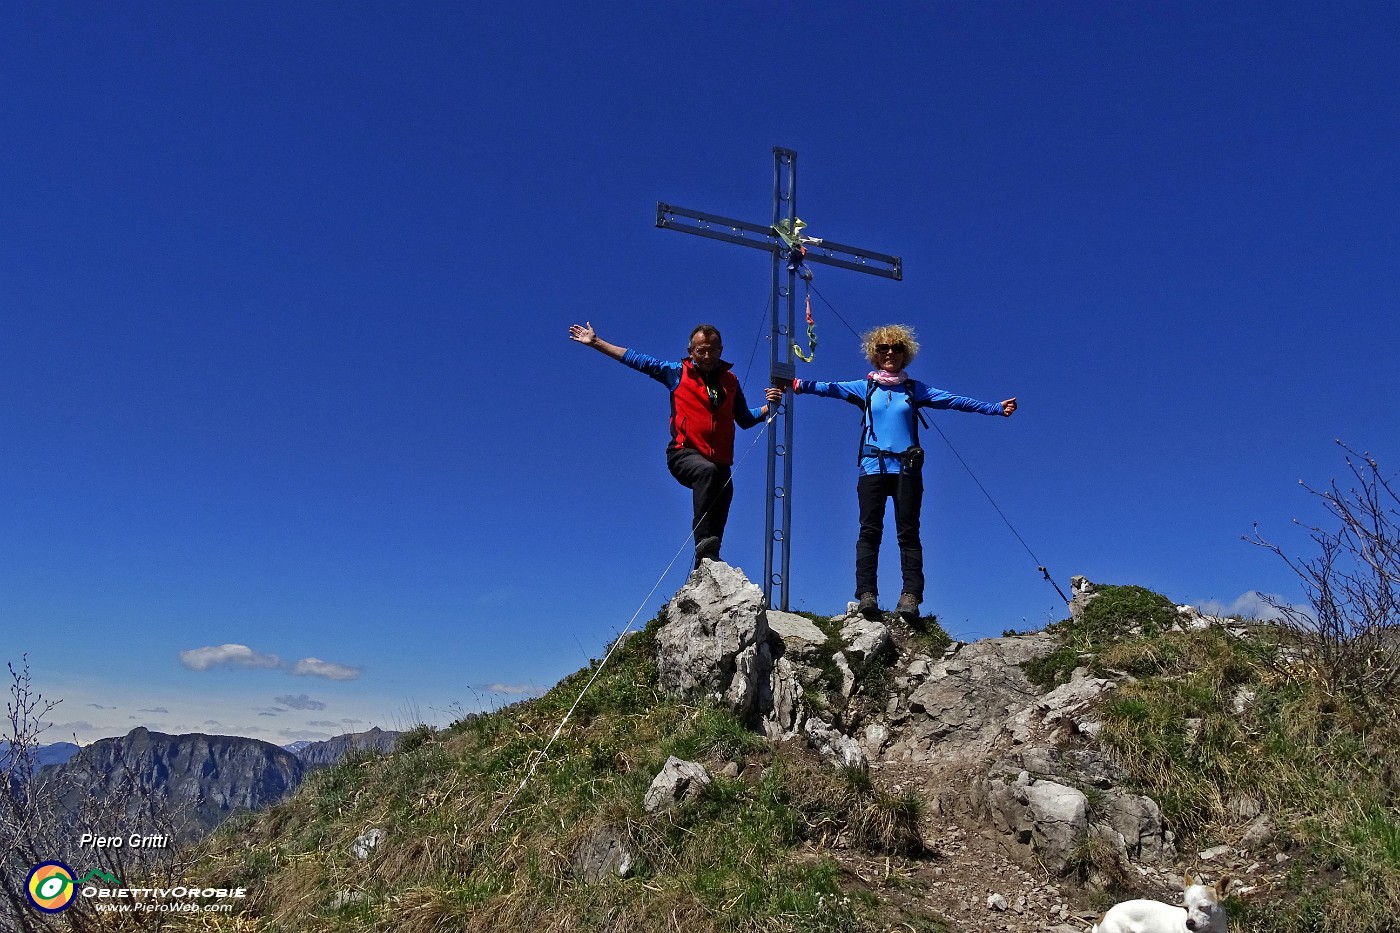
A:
[226,704]
[315,667]
[515,689]
[66,727]
[299,702]
[201,659]
[1249,605]
[302,735]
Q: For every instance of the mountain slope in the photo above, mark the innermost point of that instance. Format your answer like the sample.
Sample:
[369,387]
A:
[998,786]
[324,754]
[199,779]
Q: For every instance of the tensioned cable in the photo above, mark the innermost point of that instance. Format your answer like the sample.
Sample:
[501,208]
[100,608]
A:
[833,309]
[1039,566]
[767,312]
[544,753]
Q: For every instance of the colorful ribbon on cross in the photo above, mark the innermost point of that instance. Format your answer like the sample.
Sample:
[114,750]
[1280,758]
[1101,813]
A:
[811,351]
[791,235]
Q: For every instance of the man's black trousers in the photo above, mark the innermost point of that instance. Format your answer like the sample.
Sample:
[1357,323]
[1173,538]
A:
[711,490]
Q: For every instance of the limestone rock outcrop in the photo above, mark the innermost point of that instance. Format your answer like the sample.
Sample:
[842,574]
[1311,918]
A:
[1022,759]
[678,781]
[714,644]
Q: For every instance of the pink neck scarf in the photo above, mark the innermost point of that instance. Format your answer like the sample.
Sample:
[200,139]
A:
[888,379]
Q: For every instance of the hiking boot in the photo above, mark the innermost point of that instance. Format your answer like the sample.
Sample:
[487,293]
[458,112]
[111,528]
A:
[707,549]
[908,608]
[869,606]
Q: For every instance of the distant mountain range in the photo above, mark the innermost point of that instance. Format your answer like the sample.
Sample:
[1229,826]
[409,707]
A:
[55,754]
[200,779]
[324,754]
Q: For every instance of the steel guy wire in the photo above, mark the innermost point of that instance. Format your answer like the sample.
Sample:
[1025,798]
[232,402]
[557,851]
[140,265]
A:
[1039,566]
[758,337]
[544,753]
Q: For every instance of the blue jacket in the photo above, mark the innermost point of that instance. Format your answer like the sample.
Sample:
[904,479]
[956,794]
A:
[889,424]
[703,410]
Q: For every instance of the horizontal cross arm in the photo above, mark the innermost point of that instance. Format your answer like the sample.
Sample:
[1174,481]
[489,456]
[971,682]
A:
[828,253]
[716,227]
[825,252]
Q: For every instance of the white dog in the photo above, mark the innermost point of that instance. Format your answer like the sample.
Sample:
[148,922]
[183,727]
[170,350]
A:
[1203,913]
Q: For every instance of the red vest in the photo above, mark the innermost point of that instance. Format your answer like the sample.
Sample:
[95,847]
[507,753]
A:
[698,424]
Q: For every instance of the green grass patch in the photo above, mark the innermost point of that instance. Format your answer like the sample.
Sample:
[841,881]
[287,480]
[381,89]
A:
[1203,718]
[1129,618]
[929,637]
[744,856]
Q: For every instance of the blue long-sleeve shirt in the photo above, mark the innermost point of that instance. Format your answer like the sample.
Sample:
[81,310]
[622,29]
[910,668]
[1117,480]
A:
[889,423]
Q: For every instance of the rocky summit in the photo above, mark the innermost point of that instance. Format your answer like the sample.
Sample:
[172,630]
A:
[1013,783]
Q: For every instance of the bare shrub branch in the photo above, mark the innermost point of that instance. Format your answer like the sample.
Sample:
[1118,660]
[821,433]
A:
[44,812]
[1352,633]
[22,822]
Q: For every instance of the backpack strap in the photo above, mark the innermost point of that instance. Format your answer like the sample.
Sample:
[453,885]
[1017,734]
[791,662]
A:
[911,458]
[867,423]
[918,413]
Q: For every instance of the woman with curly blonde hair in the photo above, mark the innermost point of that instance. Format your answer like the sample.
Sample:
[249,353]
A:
[891,461]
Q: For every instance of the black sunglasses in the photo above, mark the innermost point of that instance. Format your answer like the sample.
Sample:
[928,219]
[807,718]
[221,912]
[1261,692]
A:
[883,348]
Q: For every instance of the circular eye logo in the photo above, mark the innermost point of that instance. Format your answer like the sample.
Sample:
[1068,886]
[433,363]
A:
[50,887]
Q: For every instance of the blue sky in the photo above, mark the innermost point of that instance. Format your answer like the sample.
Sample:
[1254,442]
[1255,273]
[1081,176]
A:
[286,291]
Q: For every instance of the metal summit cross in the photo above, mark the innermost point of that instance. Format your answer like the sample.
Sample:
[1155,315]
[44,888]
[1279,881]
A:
[780,238]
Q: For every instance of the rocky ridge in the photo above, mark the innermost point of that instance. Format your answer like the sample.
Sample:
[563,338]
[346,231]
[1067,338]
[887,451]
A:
[193,782]
[326,753]
[1012,781]
[198,780]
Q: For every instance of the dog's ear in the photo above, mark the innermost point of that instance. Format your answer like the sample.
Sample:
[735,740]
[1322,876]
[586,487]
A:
[1222,885]
[1187,881]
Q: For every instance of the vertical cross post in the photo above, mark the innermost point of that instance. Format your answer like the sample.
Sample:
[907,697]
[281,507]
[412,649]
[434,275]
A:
[781,366]
[778,513]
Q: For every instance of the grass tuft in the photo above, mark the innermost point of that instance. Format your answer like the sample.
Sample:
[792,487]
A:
[744,855]
[1202,718]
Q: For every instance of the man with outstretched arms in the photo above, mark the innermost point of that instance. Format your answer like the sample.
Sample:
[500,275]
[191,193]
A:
[706,403]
